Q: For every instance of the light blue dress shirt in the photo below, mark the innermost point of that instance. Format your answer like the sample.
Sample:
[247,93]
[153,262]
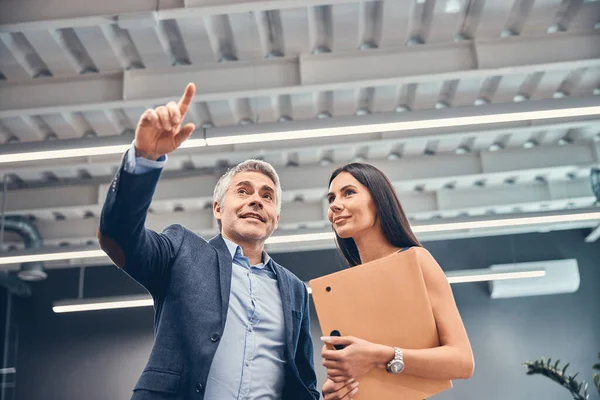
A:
[250,361]
[140,165]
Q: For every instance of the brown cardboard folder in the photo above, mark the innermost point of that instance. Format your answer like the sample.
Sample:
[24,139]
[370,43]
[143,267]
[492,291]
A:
[386,302]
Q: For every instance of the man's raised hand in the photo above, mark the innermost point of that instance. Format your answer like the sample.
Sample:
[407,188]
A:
[159,129]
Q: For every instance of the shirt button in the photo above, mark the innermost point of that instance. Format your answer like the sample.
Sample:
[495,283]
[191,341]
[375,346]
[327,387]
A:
[250,329]
[198,387]
[247,364]
[215,336]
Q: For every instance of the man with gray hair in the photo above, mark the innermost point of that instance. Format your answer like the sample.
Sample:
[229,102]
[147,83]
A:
[230,323]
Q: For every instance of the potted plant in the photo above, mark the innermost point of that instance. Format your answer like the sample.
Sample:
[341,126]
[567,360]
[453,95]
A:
[559,375]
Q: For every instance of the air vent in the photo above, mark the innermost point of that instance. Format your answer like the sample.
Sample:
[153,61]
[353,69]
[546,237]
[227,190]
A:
[562,276]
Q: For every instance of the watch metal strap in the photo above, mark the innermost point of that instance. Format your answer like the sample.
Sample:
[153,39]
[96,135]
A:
[398,355]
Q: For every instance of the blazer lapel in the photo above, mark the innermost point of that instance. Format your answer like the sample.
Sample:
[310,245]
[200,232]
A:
[286,303]
[225,262]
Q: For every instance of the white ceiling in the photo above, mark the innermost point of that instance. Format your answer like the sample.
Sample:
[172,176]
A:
[85,71]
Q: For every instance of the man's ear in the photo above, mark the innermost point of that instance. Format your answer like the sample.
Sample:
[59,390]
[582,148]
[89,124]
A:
[217,210]
[277,222]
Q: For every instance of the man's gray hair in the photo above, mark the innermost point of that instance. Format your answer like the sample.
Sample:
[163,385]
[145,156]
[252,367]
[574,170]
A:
[248,166]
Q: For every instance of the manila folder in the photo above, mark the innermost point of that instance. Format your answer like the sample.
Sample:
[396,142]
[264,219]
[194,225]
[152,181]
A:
[384,301]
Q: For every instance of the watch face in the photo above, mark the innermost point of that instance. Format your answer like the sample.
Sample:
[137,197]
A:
[396,366]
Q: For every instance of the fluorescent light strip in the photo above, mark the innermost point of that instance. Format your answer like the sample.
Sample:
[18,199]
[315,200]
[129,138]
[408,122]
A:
[102,305]
[66,255]
[320,132]
[308,237]
[496,276]
[81,152]
[304,237]
[498,223]
[493,276]
[6,371]
[95,305]
[404,126]
[455,226]
[66,153]
[192,143]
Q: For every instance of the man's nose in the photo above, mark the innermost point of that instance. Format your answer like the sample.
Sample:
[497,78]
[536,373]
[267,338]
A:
[256,201]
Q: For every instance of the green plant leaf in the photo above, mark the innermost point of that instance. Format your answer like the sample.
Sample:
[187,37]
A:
[579,391]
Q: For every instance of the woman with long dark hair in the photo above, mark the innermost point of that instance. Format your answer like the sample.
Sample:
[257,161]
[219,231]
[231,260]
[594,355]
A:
[370,224]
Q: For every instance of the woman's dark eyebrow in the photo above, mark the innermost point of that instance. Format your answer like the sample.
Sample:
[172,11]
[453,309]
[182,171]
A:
[341,190]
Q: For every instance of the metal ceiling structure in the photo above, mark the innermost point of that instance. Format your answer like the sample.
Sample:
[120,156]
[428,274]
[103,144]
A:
[83,72]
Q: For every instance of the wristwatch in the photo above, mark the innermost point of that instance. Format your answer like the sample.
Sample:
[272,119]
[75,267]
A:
[396,366]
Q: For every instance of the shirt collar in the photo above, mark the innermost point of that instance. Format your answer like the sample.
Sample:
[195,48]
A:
[236,250]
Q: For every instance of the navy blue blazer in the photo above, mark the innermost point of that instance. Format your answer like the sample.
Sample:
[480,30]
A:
[189,279]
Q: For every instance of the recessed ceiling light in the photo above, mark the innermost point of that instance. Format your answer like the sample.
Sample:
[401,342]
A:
[519,98]
[507,33]
[565,140]
[496,147]
[393,156]
[555,28]
[559,94]
[462,150]
[325,161]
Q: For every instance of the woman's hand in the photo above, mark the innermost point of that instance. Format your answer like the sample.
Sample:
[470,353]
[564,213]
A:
[339,391]
[357,358]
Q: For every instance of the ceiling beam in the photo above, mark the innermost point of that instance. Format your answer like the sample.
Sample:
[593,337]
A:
[303,216]
[305,74]
[419,206]
[431,172]
[15,16]
[329,244]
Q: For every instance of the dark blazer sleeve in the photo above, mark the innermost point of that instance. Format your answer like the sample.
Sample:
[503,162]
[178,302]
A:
[144,254]
[305,353]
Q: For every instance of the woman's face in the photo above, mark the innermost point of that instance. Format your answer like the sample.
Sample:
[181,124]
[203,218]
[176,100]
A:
[351,211]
